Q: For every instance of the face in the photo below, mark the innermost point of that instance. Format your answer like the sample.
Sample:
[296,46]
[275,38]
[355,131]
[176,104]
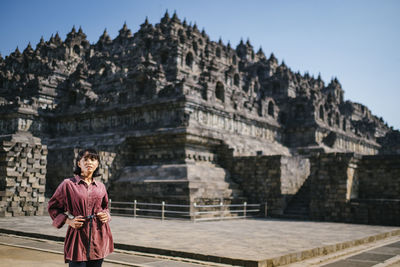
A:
[88,165]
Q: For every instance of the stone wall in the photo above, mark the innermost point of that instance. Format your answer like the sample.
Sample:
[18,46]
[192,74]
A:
[271,179]
[23,162]
[346,187]
[59,167]
[375,211]
[333,184]
[379,177]
[340,141]
[130,116]
[379,189]
[245,135]
[390,143]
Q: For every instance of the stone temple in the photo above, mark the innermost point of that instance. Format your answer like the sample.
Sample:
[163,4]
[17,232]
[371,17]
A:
[180,118]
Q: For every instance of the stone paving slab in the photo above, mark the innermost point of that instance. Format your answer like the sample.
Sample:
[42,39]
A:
[351,264]
[388,250]
[250,242]
[396,245]
[377,257]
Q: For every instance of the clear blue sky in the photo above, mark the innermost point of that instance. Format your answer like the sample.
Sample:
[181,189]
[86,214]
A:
[357,41]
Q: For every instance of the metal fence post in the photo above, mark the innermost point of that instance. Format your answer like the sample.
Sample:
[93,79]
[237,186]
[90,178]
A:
[222,211]
[194,211]
[244,209]
[266,210]
[134,208]
[109,205]
[162,210]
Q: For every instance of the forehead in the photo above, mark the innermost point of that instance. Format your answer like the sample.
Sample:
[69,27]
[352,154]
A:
[88,155]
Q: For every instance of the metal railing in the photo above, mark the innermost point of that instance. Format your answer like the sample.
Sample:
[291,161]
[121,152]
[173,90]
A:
[193,212]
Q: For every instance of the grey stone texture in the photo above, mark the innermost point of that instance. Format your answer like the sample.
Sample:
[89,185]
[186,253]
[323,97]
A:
[181,118]
[271,179]
[377,177]
[23,175]
[353,188]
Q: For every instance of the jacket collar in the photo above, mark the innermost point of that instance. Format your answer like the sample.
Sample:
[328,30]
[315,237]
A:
[78,179]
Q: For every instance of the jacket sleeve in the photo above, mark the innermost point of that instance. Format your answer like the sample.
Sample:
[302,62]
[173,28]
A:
[56,206]
[104,205]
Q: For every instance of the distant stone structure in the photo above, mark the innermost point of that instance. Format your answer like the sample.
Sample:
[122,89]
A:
[181,118]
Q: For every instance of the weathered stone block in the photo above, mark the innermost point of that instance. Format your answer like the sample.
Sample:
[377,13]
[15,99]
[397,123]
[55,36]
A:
[36,185]
[6,193]
[10,182]
[32,179]
[5,214]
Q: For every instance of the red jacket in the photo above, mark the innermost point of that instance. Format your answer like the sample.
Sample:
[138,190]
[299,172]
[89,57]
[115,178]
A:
[76,197]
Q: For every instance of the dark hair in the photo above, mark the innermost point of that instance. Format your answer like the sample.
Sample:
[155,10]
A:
[87,152]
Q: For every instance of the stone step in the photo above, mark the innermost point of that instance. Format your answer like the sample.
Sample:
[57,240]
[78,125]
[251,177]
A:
[298,206]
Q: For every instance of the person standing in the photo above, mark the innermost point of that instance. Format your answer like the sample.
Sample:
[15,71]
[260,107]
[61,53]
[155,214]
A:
[81,202]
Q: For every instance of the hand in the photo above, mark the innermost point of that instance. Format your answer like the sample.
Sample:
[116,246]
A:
[102,216]
[76,222]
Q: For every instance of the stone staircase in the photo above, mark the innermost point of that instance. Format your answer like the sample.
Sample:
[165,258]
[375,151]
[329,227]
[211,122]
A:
[210,185]
[211,181]
[299,205]
[202,183]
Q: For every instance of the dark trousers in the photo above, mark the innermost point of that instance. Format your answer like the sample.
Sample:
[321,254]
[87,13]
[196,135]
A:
[92,263]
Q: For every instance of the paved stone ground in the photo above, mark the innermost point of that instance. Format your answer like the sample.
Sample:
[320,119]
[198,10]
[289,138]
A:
[244,240]
[23,257]
[26,251]
[13,256]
